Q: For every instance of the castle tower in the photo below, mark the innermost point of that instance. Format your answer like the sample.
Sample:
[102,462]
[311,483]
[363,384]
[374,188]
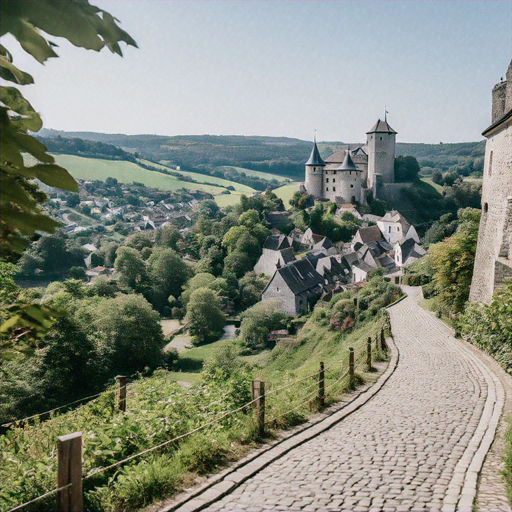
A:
[381,153]
[349,180]
[314,183]
[493,265]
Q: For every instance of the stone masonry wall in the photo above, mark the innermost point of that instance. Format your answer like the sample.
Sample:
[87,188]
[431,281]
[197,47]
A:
[494,225]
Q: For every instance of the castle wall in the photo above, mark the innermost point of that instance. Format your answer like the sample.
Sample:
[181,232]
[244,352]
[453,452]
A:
[493,249]
[345,184]
[314,181]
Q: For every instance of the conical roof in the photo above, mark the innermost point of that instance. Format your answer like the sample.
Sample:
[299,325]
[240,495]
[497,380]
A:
[348,164]
[381,127]
[315,158]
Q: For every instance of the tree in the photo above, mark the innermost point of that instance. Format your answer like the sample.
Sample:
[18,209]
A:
[204,317]
[139,240]
[84,26]
[249,218]
[128,331]
[208,208]
[167,273]
[130,268]
[258,322]
[453,261]
[407,169]
[437,177]
[168,236]
[77,273]
[201,280]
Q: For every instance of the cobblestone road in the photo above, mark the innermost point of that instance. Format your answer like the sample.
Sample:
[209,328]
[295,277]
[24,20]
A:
[408,448]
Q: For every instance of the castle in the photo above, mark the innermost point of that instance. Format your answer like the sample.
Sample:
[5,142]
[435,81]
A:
[492,262]
[348,175]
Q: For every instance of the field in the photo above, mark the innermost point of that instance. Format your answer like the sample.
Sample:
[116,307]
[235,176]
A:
[205,178]
[429,181]
[126,172]
[257,174]
[286,192]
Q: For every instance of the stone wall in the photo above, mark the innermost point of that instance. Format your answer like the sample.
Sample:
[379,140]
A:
[495,227]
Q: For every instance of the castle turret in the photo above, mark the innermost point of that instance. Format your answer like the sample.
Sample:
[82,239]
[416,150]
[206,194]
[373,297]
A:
[381,153]
[314,173]
[349,180]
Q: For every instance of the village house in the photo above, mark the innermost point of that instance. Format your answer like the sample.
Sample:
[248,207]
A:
[394,228]
[407,252]
[277,252]
[297,285]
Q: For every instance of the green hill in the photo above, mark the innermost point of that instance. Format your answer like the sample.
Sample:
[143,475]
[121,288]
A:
[275,156]
[128,172]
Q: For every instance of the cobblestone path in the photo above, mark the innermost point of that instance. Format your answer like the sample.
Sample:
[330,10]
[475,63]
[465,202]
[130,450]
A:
[414,446]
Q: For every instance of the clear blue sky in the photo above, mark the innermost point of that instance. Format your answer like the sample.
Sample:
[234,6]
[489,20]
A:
[284,68]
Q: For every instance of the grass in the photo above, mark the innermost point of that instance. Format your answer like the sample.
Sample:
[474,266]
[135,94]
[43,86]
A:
[286,192]
[507,459]
[428,181]
[224,200]
[126,172]
[213,180]
[192,359]
[256,174]
[158,410]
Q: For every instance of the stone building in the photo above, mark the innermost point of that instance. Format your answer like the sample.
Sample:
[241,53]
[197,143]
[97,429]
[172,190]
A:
[298,286]
[394,228]
[277,252]
[492,262]
[347,175]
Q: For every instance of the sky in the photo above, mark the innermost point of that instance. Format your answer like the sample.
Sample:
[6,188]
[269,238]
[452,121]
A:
[283,68]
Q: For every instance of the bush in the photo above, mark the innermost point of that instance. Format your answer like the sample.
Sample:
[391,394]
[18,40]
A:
[259,320]
[204,317]
[488,326]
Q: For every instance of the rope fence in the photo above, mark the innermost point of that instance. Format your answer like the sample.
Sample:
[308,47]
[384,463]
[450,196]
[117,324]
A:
[69,490]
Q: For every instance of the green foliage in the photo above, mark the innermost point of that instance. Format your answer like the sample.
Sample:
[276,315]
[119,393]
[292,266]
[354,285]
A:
[167,273]
[21,217]
[259,320]
[322,222]
[488,326]
[453,260]
[441,229]
[406,169]
[130,268]
[127,330]
[204,317]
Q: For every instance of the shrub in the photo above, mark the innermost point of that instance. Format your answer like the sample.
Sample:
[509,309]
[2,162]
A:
[259,320]
[204,317]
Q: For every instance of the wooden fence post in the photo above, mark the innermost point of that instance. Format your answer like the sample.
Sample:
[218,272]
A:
[383,345]
[351,365]
[321,385]
[121,393]
[258,393]
[70,472]
[369,354]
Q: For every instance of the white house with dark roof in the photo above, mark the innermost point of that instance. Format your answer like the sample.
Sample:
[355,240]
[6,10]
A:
[407,251]
[394,227]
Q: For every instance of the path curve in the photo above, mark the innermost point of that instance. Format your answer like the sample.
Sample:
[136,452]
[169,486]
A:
[416,445]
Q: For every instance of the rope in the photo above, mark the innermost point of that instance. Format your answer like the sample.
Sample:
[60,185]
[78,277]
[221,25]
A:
[165,443]
[45,495]
[51,410]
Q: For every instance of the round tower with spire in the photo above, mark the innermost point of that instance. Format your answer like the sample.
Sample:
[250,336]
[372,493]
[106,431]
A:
[381,141]
[314,182]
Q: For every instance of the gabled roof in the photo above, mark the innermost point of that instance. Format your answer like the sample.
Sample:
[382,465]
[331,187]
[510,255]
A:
[363,266]
[395,216]
[337,157]
[381,127]
[348,164]
[315,158]
[370,234]
[300,276]
[288,254]
[276,242]
[324,243]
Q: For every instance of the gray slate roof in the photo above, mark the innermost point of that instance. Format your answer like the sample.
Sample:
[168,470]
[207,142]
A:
[300,276]
[370,234]
[381,127]
[348,164]
[315,158]
[276,242]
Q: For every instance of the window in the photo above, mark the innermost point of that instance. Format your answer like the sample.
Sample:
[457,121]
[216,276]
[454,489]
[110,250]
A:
[327,189]
[381,138]
[277,288]
[490,164]
[351,186]
[334,189]
[389,229]
[327,180]
[486,207]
